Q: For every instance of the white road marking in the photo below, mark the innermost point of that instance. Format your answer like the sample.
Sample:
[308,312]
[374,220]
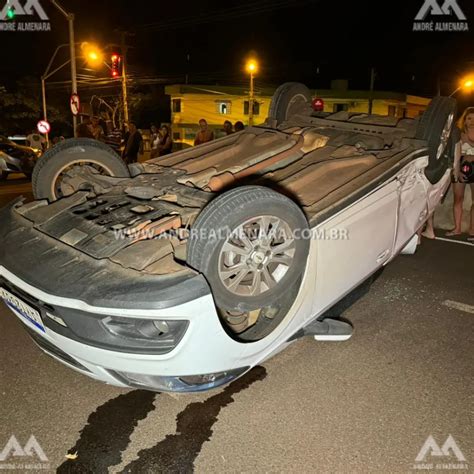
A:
[460,306]
[454,241]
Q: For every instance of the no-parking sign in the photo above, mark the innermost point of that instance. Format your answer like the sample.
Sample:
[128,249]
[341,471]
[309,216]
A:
[43,127]
[75,104]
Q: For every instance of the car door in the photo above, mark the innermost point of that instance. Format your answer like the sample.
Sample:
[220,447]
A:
[413,205]
[354,243]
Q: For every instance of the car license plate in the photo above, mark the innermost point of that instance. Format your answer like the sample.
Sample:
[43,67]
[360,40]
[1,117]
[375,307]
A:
[22,310]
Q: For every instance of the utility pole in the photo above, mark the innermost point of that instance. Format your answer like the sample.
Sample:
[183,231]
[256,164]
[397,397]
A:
[72,50]
[124,76]
[251,67]
[47,74]
[251,100]
[371,93]
[45,111]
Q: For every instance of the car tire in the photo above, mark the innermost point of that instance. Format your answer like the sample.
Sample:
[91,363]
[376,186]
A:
[288,99]
[435,127]
[267,266]
[68,153]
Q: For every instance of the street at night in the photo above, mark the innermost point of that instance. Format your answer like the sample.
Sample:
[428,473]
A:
[236,238]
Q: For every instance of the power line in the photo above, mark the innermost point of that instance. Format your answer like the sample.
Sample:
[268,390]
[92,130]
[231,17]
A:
[251,9]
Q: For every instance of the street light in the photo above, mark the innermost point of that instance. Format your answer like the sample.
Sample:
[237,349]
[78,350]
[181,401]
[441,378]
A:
[92,54]
[251,67]
[467,84]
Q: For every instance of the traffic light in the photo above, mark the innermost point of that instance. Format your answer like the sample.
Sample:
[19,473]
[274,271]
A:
[116,61]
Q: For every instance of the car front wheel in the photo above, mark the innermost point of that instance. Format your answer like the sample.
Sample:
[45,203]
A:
[251,243]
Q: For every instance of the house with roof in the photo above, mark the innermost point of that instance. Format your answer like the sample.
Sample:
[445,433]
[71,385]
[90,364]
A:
[216,104]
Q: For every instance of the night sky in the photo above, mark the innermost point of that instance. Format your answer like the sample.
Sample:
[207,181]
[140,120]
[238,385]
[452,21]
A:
[312,41]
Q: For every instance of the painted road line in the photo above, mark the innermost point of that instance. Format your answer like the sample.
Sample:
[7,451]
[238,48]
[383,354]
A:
[454,241]
[460,306]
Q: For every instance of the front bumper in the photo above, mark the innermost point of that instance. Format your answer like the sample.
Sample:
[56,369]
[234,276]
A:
[206,357]
[203,357]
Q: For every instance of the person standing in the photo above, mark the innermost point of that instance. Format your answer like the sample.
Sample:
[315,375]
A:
[165,145]
[204,135]
[154,140]
[113,137]
[228,128]
[463,159]
[35,140]
[83,130]
[96,129]
[133,144]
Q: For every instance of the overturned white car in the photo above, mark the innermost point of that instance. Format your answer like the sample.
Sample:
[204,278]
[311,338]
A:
[184,272]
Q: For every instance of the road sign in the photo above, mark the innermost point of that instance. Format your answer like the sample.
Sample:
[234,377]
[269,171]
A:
[75,104]
[43,127]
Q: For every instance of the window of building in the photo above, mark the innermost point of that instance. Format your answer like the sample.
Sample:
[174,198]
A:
[392,110]
[256,107]
[176,106]
[224,107]
[340,107]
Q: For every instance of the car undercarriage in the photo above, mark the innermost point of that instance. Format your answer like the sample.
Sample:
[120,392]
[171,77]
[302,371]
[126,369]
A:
[230,223]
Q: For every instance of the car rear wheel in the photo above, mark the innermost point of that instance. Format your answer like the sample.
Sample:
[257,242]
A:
[75,152]
[435,127]
[251,244]
[289,99]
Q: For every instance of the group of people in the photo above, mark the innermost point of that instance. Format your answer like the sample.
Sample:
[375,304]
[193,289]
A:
[128,142]
[463,176]
[161,141]
[206,135]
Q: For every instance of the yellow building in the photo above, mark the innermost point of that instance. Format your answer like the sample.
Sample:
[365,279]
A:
[190,103]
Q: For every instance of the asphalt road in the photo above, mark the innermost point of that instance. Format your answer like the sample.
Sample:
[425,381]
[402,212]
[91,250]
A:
[14,186]
[365,405]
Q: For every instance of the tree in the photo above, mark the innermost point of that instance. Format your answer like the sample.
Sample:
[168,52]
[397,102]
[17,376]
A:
[21,108]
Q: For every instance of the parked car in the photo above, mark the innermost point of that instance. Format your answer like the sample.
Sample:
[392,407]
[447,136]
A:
[184,272]
[16,158]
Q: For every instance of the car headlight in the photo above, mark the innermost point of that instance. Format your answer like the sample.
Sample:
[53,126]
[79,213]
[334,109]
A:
[118,333]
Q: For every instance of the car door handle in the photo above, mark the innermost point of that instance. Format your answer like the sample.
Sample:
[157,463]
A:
[383,255]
